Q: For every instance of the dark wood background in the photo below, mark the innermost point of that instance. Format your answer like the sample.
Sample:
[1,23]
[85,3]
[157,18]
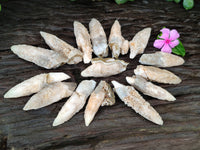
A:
[117,127]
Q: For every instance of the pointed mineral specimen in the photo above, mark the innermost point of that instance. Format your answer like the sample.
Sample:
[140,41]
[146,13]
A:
[83,41]
[161,59]
[76,102]
[104,67]
[157,74]
[134,100]
[98,38]
[139,42]
[149,88]
[96,99]
[39,56]
[35,84]
[115,39]
[50,94]
[72,55]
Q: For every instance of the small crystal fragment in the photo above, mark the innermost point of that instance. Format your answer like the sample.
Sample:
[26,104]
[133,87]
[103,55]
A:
[124,47]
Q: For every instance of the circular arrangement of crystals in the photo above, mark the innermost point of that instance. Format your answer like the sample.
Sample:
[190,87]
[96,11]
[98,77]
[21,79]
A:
[50,88]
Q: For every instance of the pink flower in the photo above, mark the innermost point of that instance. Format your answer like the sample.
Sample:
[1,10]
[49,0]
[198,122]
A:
[167,41]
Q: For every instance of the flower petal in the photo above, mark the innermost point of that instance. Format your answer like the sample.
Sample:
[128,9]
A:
[158,43]
[165,33]
[174,35]
[166,49]
[173,43]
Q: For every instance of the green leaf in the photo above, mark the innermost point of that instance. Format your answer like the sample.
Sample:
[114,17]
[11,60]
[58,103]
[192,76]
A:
[158,36]
[179,49]
[188,4]
[0,7]
[177,1]
[121,1]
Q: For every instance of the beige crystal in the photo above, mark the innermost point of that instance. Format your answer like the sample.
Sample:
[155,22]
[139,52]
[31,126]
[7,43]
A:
[42,57]
[76,102]
[50,94]
[115,39]
[149,88]
[157,75]
[35,84]
[161,59]
[101,93]
[134,100]
[139,42]
[104,67]
[83,41]
[71,54]
[98,38]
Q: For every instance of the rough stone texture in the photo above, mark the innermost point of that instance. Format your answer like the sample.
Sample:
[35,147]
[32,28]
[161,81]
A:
[115,127]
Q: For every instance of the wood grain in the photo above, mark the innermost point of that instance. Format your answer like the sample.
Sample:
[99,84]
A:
[113,128]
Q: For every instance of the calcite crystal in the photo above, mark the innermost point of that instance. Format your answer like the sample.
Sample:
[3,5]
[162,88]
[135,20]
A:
[134,100]
[157,75]
[139,42]
[35,84]
[125,46]
[42,57]
[76,102]
[149,88]
[115,39]
[104,67]
[161,59]
[71,54]
[83,41]
[50,94]
[98,38]
[101,93]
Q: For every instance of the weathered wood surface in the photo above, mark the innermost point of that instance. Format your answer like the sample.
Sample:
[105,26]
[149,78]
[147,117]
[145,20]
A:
[116,127]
